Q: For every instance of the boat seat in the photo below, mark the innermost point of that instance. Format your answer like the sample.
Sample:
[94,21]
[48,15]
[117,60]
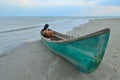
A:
[62,38]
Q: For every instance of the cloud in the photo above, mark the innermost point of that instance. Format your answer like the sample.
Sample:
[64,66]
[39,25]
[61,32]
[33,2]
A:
[48,3]
[105,10]
[63,7]
[110,2]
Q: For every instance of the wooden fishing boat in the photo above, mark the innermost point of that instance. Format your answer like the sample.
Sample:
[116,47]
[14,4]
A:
[84,52]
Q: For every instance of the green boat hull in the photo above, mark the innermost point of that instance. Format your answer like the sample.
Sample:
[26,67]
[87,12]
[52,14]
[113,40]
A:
[85,53]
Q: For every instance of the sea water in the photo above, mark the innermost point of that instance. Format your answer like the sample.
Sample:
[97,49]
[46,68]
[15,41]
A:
[17,30]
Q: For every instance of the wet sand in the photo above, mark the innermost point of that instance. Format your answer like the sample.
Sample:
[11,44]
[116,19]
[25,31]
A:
[33,61]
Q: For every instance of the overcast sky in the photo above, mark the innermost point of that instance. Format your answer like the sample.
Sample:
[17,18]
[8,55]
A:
[59,7]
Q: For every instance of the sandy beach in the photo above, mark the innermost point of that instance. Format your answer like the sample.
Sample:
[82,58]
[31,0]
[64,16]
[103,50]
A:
[33,61]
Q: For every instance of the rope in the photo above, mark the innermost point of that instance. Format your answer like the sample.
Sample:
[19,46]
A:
[113,67]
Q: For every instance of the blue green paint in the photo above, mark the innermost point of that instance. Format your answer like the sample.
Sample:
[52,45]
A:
[86,54]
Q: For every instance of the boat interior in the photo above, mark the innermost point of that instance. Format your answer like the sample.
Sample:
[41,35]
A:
[58,36]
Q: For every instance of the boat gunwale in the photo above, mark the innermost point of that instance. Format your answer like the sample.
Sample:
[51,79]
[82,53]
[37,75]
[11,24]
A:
[77,38]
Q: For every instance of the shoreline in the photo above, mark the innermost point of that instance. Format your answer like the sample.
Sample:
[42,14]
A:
[33,61]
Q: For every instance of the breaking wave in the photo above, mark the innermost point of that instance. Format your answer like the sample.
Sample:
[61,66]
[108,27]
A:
[20,29]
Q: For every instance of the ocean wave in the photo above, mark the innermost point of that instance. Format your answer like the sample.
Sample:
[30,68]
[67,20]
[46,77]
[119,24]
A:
[20,29]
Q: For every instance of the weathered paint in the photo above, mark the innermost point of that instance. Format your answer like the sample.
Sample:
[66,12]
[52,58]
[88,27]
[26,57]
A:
[86,54]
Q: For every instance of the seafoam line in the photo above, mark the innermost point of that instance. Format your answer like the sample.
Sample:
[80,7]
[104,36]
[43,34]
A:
[20,29]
